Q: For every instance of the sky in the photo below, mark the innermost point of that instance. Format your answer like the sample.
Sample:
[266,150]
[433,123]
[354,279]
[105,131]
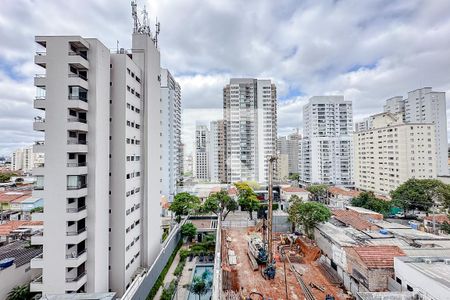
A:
[367,51]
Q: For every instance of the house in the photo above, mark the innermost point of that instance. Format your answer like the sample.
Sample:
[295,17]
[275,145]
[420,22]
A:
[7,197]
[438,219]
[353,219]
[25,206]
[287,192]
[340,197]
[12,229]
[15,269]
[365,213]
[371,267]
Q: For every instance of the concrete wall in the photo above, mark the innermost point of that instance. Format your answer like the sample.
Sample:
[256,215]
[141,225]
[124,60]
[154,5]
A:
[12,277]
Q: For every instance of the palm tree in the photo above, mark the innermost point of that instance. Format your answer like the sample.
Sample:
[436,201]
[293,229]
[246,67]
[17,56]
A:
[21,292]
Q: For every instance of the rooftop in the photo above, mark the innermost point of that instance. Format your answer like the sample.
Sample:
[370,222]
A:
[387,295]
[354,219]
[81,296]
[364,211]
[9,196]
[413,234]
[343,192]
[435,268]
[21,252]
[378,257]
[438,218]
[293,189]
[431,252]
[6,228]
[336,234]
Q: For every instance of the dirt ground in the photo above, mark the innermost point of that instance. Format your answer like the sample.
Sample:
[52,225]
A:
[252,281]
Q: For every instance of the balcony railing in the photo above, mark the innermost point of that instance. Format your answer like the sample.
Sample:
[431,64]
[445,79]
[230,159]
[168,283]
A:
[39,98]
[37,279]
[73,53]
[75,254]
[38,187]
[40,76]
[72,233]
[76,164]
[74,119]
[74,97]
[41,53]
[76,209]
[39,119]
[76,142]
[76,278]
[74,75]
[77,187]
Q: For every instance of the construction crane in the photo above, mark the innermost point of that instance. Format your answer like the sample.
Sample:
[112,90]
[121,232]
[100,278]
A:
[269,271]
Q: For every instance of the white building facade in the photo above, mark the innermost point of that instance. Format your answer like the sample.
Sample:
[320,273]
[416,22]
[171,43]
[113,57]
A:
[250,114]
[201,156]
[288,155]
[101,180]
[172,152]
[392,152]
[24,159]
[326,147]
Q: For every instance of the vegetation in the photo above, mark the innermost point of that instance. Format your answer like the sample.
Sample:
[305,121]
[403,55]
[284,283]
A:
[220,203]
[6,177]
[165,235]
[161,276]
[446,227]
[21,292]
[421,194]
[294,176]
[247,198]
[318,192]
[308,214]
[200,285]
[253,184]
[369,201]
[37,210]
[183,204]
[188,230]
[167,293]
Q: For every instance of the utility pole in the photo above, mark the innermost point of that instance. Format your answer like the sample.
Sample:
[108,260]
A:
[270,211]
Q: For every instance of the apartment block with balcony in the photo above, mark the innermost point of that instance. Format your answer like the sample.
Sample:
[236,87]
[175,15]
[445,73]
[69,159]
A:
[392,152]
[326,148]
[250,114]
[201,167]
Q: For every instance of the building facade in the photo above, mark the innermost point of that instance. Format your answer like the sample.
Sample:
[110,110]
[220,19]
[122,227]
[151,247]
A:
[250,114]
[101,181]
[24,159]
[172,153]
[201,157]
[326,147]
[288,155]
[392,152]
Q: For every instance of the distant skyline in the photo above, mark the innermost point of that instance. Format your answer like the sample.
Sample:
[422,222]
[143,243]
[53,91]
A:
[366,51]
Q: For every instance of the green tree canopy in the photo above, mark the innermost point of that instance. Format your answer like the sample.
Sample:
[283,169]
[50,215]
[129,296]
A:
[370,201]
[247,198]
[308,214]
[220,203]
[200,285]
[188,230]
[318,191]
[421,194]
[294,176]
[21,292]
[183,204]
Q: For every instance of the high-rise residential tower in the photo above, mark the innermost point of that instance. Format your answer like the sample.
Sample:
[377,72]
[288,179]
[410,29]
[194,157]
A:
[24,159]
[216,151]
[201,156]
[101,180]
[326,147]
[171,134]
[250,114]
[288,149]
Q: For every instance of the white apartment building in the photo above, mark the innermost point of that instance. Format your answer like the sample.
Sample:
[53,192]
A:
[288,149]
[201,157]
[326,146]
[24,159]
[426,106]
[101,180]
[392,152]
[171,134]
[363,125]
[213,151]
[250,114]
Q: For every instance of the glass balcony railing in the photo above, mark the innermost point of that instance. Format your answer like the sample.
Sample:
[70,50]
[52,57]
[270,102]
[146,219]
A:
[76,278]
[78,186]
[76,232]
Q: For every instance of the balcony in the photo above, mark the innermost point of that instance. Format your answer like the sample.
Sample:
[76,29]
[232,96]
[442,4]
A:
[78,60]
[40,59]
[38,169]
[38,238]
[39,103]
[73,284]
[75,168]
[38,147]
[77,146]
[39,124]
[36,284]
[37,262]
[40,80]
[76,213]
[76,259]
[78,80]
[77,124]
[76,237]
[77,190]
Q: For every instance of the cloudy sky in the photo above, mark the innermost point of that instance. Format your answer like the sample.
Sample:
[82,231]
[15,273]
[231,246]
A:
[365,50]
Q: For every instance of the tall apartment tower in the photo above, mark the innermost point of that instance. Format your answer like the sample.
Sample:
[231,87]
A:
[250,114]
[213,151]
[24,159]
[201,157]
[101,180]
[326,147]
[402,151]
[288,149]
[427,106]
[171,134]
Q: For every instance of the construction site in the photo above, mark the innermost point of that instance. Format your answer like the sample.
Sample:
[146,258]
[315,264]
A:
[299,273]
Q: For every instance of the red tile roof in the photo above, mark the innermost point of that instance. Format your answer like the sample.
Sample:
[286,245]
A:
[378,257]
[232,191]
[7,227]
[339,191]
[293,189]
[9,196]
[353,219]
[439,218]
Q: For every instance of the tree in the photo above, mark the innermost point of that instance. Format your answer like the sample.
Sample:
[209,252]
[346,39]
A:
[308,214]
[200,285]
[445,227]
[421,194]
[253,184]
[370,201]
[220,203]
[294,176]
[183,204]
[247,198]
[21,292]
[6,177]
[188,230]
[318,192]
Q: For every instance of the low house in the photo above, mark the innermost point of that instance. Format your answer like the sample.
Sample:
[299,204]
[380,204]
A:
[15,229]
[25,206]
[365,213]
[340,197]
[287,192]
[7,197]
[371,267]
[438,220]
[353,219]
